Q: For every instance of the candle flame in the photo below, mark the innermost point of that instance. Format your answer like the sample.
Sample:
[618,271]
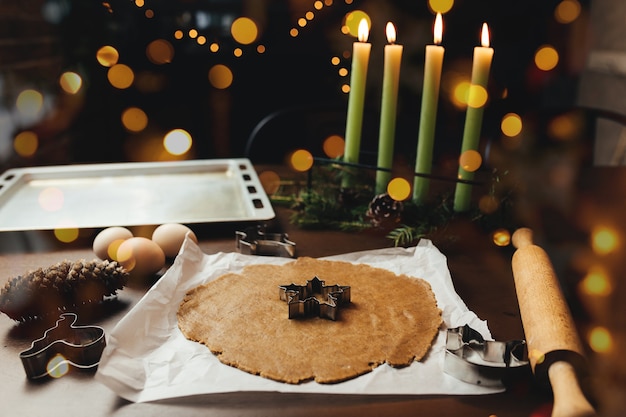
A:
[438,30]
[484,36]
[363,30]
[391,32]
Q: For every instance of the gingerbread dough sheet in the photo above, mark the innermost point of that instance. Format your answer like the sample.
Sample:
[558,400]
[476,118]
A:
[391,319]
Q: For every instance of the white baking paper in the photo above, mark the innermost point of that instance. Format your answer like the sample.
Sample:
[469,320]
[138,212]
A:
[147,358]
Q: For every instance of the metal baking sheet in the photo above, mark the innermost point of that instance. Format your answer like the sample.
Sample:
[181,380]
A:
[131,194]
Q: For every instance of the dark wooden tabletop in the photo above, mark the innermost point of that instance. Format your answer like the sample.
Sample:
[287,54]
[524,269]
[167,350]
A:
[481,273]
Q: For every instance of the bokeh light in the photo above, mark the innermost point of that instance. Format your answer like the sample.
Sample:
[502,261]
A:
[160,52]
[596,282]
[26,143]
[51,199]
[501,237]
[352,21]
[600,339]
[270,181]
[440,6]
[334,146]
[470,160]
[70,82]
[29,103]
[121,76]
[546,58]
[477,96]
[488,204]
[107,56]
[604,240]
[460,93]
[57,366]
[66,233]
[177,142]
[301,160]
[399,189]
[220,76]
[134,119]
[565,127]
[244,30]
[511,125]
[567,11]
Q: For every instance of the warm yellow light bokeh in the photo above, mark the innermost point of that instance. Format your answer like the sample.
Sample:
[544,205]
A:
[29,103]
[70,82]
[461,93]
[107,56]
[220,76]
[160,51]
[511,125]
[244,30]
[604,240]
[134,119]
[66,234]
[596,282]
[567,11]
[177,142]
[121,76]
[270,181]
[600,339]
[301,160]
[57,366]
[334,146]
[26,143]
[399,189]
[214,47]
[470,160]
[440,6]
[501,237]
[477,96]
[488,204]
[546,58]
[352,21]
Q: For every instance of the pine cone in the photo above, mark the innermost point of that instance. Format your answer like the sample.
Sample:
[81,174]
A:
[61,286]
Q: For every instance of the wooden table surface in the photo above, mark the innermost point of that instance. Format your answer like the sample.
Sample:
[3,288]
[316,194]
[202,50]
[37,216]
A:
[481,274]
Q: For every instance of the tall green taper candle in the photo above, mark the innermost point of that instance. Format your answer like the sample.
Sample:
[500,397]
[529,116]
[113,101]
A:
[433,63]
[474,116]
[388,109]
[356,100]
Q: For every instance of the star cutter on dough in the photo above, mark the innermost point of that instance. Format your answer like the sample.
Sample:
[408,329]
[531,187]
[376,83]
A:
[302,300]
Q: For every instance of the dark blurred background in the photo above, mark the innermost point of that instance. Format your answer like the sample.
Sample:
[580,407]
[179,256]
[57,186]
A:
[291,80]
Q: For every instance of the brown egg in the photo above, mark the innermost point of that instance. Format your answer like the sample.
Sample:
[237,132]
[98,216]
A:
[170,237]
[106,243]
[141,256]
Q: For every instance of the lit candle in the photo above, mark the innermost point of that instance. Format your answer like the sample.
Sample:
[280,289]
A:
[474,116]
[356,100]
[428,114]
[389,102]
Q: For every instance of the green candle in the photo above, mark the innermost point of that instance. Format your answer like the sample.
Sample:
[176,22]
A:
[433,63]
[474,116]
[356,100]
[388,108]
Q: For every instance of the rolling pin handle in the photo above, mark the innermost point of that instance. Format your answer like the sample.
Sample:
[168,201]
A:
[522,237]
[569,400]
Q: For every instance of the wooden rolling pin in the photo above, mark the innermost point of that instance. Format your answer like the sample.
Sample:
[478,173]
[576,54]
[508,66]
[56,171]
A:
[554,349]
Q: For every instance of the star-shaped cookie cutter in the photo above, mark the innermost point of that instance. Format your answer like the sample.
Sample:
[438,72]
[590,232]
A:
[255,241]
[64,344]
[302,300]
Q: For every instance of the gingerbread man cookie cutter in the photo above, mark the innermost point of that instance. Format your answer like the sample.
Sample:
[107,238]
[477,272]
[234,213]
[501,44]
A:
[62,345]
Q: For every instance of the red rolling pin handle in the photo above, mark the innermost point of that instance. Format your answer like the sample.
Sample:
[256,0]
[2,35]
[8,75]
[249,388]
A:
[554,349]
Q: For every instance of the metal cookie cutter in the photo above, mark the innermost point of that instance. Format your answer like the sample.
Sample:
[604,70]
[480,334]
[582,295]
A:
[63,344]
[471,358]
[254,241]
[302,301]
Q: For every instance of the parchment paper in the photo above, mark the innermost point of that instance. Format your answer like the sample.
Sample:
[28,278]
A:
[147,358]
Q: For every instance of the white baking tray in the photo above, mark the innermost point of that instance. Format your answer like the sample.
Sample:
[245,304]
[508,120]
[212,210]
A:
[131,194]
